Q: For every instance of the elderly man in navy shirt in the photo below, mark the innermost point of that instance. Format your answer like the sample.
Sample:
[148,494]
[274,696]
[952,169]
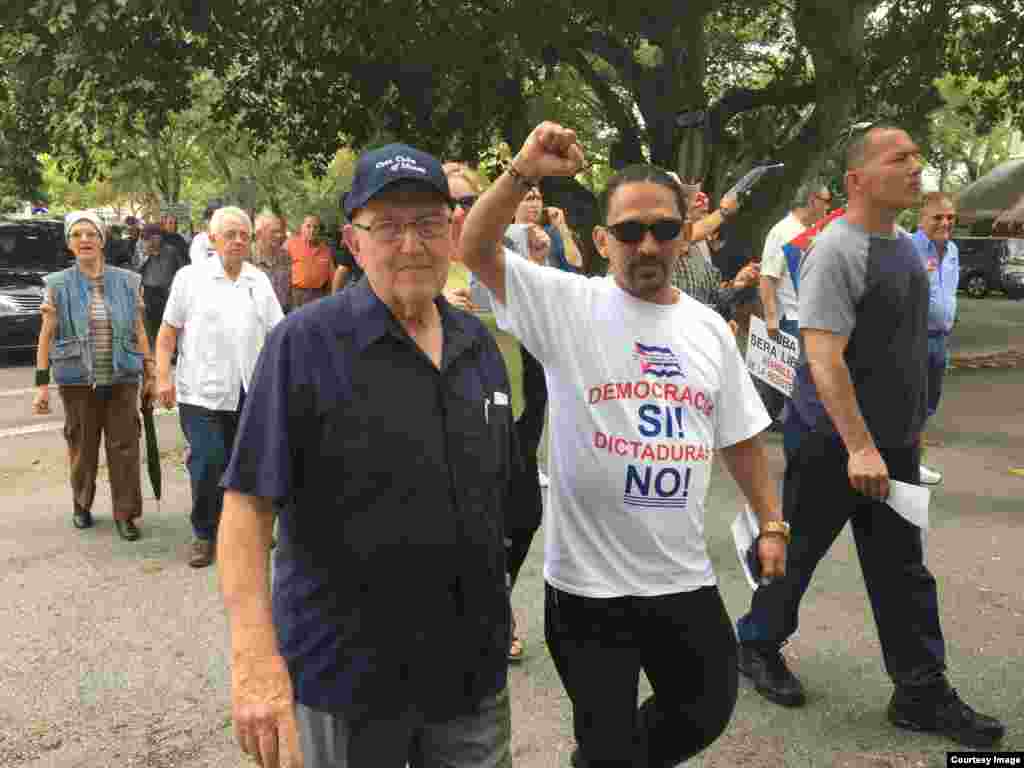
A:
[379,424]
[941,258]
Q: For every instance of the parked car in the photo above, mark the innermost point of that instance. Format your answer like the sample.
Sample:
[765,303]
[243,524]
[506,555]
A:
[29,249]
[20,318]
[981,264]
[1013,268]
[34,246]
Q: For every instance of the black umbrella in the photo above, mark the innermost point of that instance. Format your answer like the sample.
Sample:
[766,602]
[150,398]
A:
[993,193]
[152,451]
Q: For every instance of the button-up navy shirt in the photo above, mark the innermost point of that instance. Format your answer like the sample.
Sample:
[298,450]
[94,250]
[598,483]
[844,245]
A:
[392,475]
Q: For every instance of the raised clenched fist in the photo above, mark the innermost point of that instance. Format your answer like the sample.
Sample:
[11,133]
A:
[550,150]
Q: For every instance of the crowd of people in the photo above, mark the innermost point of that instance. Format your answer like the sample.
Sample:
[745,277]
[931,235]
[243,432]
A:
[355,399]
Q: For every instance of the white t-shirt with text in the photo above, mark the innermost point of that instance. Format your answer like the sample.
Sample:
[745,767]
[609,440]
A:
[641,394]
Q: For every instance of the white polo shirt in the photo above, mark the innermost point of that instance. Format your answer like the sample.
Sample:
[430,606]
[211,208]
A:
[222,325]
[201,250]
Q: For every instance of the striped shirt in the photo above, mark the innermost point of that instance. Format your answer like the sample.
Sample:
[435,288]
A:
[700,280]
[102,334]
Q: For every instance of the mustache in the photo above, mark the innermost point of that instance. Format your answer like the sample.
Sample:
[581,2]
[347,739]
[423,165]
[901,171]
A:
[647,262]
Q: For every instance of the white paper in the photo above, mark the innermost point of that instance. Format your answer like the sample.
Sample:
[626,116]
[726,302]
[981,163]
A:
[500,398]
[773,362]
[745,529]
[910,502]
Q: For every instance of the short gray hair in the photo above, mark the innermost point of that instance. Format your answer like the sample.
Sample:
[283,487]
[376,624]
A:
[223,214]
[804,192]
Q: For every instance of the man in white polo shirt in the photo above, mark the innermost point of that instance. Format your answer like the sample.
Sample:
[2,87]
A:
[645,385]
[220,312]
[778,294]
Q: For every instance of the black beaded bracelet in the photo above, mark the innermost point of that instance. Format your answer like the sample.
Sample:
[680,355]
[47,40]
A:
[42,377]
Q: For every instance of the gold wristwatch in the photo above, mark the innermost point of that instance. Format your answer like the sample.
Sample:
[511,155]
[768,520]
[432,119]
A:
[777,527]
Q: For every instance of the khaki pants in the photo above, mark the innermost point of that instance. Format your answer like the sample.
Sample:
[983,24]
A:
[86,417]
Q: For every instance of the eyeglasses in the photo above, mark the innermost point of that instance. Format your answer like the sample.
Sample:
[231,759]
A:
[467,201]
[427,228]
[87,235]
[240,235]
[634,231]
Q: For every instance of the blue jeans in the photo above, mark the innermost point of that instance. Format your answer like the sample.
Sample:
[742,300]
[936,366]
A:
[211,436]
[936,371]
[818,501]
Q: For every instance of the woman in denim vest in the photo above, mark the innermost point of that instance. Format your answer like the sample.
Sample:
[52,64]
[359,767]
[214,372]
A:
[93,342]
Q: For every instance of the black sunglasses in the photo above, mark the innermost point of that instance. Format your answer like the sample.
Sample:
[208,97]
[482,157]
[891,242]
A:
[467,201]
[635,231]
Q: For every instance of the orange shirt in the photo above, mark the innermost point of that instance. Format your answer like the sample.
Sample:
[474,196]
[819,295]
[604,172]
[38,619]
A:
[311,264]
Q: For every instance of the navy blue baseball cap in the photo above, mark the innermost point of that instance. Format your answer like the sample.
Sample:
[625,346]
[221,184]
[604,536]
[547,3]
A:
[381,167]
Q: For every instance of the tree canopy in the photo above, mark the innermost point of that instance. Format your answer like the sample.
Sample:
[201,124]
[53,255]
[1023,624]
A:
[708,87]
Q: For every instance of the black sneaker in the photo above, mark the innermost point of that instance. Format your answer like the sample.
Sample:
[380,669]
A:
[944,712]
[772,678]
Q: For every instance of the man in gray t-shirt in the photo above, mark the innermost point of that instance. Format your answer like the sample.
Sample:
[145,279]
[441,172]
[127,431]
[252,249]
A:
[861,392]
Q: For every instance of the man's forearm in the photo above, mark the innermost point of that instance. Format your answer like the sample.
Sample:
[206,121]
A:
[767,290]
[835,389]
[479,244]
[243,548]
[166,340]
[748,465]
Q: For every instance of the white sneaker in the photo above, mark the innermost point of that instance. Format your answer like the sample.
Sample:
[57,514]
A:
[543,479]
[930,476]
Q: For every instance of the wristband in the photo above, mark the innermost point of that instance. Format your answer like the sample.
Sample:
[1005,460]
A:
[776,528]
[524,182]
[42,377]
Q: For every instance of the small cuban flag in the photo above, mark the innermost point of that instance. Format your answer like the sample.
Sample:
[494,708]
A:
[795,249]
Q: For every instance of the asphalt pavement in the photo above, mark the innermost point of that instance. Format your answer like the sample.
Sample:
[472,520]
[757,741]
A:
[114,653]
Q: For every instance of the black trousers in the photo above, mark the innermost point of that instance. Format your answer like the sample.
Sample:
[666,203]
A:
[156,301]
[685,645]
[818,501]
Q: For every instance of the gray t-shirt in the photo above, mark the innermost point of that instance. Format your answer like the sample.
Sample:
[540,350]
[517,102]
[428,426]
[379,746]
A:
[874,290]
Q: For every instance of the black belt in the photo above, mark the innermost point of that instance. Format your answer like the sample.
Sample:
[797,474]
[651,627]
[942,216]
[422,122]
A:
[937,334]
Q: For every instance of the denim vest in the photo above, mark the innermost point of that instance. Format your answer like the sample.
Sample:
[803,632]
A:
[72,353]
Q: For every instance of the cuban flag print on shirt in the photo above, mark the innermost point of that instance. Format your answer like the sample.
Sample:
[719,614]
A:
[795,249]
[657,361]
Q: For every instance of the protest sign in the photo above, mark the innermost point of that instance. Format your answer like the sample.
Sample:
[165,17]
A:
[773,362]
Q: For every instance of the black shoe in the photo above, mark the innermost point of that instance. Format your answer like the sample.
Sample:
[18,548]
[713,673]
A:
[127,530]
[82,518]
[576,759]
[943,712]
[772,678]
